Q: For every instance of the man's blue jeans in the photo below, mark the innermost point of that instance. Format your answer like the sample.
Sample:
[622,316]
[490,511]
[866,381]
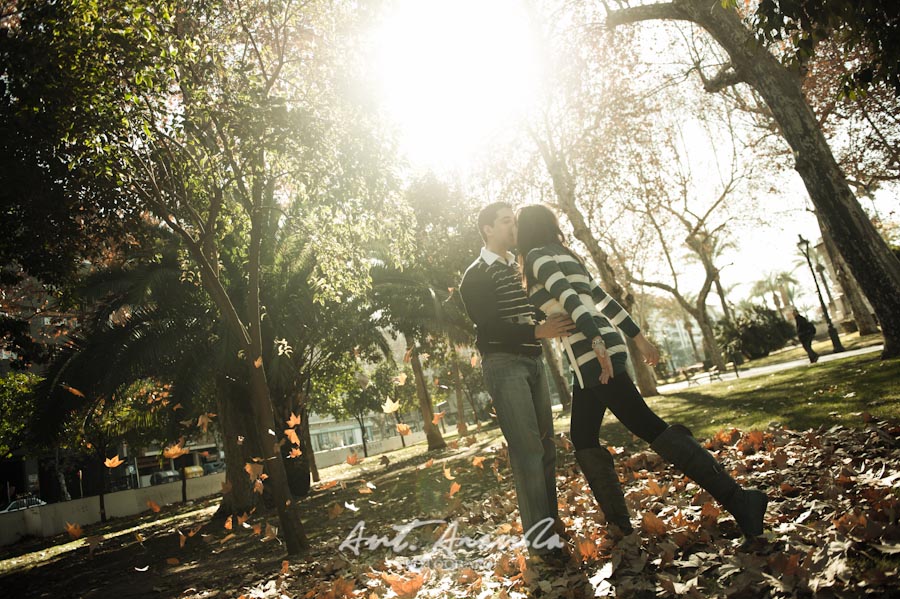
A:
[518,387]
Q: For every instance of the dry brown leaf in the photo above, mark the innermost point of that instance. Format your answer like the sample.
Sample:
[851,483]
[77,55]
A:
[75,531]
[478,462]
[454,488]
[154,507]
[447,474]
[285,567]
[113,462]
[403,429]
[652,524]
[293,421]
[291,435]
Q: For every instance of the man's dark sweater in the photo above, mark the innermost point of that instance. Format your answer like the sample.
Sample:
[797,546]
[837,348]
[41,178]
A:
[496,302]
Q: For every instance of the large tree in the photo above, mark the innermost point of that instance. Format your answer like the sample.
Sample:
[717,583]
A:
[210,117]
[865,252]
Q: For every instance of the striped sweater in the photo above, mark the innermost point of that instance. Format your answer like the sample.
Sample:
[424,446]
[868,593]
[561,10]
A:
[563,284]
[496,302]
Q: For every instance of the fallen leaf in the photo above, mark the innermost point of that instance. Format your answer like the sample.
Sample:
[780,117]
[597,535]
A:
[285,567]
[73,391]
[652,524]
[454,487]
[447,474]
[154,507]
[389,406]
[478,462]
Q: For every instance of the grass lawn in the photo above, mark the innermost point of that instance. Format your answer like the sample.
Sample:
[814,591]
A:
[800,398]
[822,346]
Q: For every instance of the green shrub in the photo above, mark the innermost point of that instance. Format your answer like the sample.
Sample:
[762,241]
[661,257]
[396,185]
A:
[755,333]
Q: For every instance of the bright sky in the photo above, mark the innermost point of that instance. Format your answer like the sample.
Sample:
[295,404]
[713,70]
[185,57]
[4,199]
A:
[453,75]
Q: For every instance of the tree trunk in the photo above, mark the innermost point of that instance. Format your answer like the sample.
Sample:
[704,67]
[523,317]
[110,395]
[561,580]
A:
[868,256]
[713,352]
[556,373]
[861,315]
[474,407]
[432,433]
[241,443]
[61,479]
[360,420]
[461,428]
[726,311]
[288,511]
[306,438]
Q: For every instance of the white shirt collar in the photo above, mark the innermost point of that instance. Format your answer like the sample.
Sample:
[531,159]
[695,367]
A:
[490,257]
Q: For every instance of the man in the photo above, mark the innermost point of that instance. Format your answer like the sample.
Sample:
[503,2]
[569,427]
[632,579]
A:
[805,333]
[508,338]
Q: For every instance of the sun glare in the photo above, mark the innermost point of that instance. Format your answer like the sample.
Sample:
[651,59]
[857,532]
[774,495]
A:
[454,74]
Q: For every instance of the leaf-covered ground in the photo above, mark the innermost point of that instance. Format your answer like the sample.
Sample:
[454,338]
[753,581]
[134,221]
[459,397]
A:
[833,531]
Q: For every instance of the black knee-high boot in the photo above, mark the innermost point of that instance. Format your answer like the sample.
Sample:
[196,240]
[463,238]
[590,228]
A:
[748,506]
[599,469]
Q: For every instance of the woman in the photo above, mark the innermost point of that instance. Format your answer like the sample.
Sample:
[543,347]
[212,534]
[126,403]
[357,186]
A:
[557,280]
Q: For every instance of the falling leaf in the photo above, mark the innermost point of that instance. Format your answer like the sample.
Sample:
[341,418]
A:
[75,531]
[228,523]
[429,463]
[353,459]
[73,391]
[291,435]
[478,462]
[295,452]
[113,462]
[175,451]
[154,507]
[454,487]
[407,357]
[204,420]
[285,567]
[254,471]
[243,518]
[293,421]
[447,474]
[437,418]
[258,486]
[257,529]
[403,429]
[328,485]
[400,379]
[389,406]
[258,362]
[474,361]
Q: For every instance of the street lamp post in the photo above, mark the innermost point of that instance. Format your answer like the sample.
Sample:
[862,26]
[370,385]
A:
[803,245]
